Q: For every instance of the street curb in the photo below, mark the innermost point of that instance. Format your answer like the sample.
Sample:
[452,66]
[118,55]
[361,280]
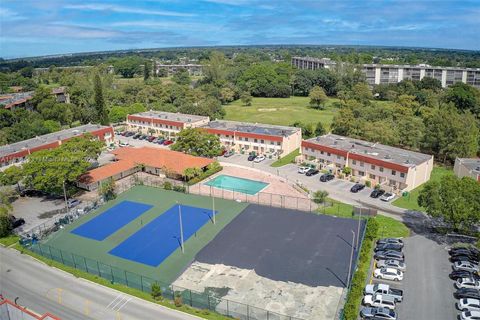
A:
[108,288]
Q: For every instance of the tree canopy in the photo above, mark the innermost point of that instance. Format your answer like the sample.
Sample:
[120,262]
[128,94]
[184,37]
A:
[197,142]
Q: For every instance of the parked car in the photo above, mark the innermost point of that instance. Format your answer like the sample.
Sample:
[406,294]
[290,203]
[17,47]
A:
[471,259]
[391,263]
[326,177]
[15,223]
[377,193]
[137,136]
[467,293]
[387,197]
[379,300]
[465,265]
[389,254]
[31,193]
[388,246]
[229,153]
[123,144]
[167,142]
[388,274]
[130,134]
[454,275]
[384,289]
[372,313]
[470,315]
[251,157]
[303,170]
[472,250]
[357,187]
[390,240]
[151,138]
[467,304]
[260,158]
[464,253]
[73,203]
[469,283]
[311,172]
[160,141]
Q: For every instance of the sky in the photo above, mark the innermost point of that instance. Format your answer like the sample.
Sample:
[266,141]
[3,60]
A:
[43,27]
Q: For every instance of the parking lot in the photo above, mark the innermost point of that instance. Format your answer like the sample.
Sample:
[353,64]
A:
[427,289]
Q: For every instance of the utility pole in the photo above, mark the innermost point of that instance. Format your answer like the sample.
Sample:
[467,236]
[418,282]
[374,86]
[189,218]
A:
[213,209]
[181,226]
[351,260]
[65,196]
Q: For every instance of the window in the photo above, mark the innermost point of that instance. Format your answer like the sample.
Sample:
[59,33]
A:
[394,172]
[338,157]
[361,163]
[262,141]
[278,143]
[321,152]
[255,140]
[354,161]
[381,169]
[361,173]
[372,176]
[373,167]
[402,175]
[328,154]
[246,139]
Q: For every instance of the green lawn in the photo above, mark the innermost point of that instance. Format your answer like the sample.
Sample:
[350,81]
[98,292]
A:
[9,240]
[281,111]
[289,158]
[410,201]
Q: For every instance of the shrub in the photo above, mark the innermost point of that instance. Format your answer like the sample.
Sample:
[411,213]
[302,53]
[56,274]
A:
[211,169]
[179,189]
[347,171]
[320,196]
[156,291]
[167,185]
[178,301]
[368,183]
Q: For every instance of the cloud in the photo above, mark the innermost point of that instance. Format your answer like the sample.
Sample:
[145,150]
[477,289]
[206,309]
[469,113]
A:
[192,26]
[123,9]
[9,15]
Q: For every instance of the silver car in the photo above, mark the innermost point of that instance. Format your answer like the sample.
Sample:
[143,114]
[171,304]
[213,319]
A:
[392,263]
[468,283]
[468,304]
[465,265]
[470,315]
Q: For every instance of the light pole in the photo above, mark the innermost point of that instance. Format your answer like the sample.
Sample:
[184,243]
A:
[65,196]
[181,226]
[351,260]
[213,209]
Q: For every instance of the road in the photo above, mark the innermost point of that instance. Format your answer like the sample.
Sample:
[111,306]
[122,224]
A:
[43,289]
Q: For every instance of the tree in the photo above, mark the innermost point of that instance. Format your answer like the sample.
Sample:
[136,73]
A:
[99,101]
[182,77]
[10,176]
[453,200]
[127,66]
[197,142]
[48,170]
[246,98]
[319,130]
[156,291]
[361,92]
[320,196]
[227,95]
[107,190]
[464,97]
[216,69]
[5,209]
[154,69]
[146,70]
[191,173]
[317,97]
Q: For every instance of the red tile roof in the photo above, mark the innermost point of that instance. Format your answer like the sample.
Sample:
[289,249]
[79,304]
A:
[128,158]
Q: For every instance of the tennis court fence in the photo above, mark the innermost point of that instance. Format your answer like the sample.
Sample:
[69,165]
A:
[209,300]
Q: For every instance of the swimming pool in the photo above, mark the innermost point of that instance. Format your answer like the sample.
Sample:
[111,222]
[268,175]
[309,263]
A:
[247,186]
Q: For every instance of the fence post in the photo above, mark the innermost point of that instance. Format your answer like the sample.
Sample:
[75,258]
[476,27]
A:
[73,259]
[228,312]
[61,256]
[50,251]
[191,302]
[208,300]
[141,282]
[126,279]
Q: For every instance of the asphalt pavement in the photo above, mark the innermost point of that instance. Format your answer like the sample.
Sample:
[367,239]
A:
[44,289]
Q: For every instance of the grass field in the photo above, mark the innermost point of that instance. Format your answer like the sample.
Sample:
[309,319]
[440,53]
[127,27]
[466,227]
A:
[281,111]
[161,200]
[410,201]
[289,158]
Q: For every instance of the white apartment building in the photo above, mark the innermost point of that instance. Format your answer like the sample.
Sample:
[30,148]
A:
[163,123]
[393,168]
[256,137]
[467,167]
[385,73]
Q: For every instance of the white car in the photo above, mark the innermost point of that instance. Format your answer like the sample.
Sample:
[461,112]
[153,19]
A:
[468,304]
[468,283]
[470,315]
[303,170]
[259,158]
[465,265]
[380,301]
[392,263]
[388,274]
[123,144]
[387,196]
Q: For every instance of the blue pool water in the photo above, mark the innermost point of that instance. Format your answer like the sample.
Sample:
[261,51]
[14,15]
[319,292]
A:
[247,186]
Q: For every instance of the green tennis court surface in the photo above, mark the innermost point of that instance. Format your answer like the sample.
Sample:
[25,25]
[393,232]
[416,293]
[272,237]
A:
[161,201]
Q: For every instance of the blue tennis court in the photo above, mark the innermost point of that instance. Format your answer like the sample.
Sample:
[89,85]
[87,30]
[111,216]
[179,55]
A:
[108,222]
[161,237]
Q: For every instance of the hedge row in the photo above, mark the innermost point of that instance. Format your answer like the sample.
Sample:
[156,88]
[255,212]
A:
[207,173]
[355,295]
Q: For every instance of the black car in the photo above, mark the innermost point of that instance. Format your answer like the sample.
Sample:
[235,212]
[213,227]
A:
[464,252]
[326,177]
[473,260]
[251,157]
[311,172]
[390,240]
[467,293]
[137,136]
[15,223]
[377,193]
[388,246]
[31,193]
[357,187]
[389,254]
[458,274]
